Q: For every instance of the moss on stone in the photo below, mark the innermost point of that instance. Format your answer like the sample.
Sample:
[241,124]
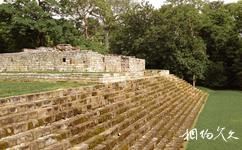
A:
[30,125]
[97,141]
[124,147]
[61,136]
[9,131]
[3,145]
[41,122]
[80,120]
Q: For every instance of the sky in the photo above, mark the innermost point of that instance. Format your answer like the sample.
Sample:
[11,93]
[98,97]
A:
[158,3]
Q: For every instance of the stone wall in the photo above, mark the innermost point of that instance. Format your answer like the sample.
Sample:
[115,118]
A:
[84,77]
[67,61]
[148,113]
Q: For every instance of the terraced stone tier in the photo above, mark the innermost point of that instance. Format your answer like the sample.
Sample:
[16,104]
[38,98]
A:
[148,113]
[93,77]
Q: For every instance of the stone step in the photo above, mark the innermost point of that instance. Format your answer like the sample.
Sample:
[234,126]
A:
[175,122]
[95,130]
[14,100]
[74,120]
[93,141]
[53,103]
[165,139]
[29,115]
[150,134]
[151,105]
[147,113]
[160,109]
[148,131]
[174,143]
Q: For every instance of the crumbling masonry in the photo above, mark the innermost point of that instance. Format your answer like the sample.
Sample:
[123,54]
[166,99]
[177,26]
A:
[148,112]
[45,60]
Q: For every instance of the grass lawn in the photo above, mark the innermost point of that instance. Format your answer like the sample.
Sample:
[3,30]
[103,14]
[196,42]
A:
[224,109]
[12,88]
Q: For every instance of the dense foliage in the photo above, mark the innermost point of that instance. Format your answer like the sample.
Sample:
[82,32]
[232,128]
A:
[196,40]
[30,24]
[193,39]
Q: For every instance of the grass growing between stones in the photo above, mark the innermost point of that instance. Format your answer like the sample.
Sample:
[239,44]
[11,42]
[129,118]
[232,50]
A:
[13,88]
[223,109]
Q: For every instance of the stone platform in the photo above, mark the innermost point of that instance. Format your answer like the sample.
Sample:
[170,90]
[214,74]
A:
[94,77]
[131,108]
[147,113]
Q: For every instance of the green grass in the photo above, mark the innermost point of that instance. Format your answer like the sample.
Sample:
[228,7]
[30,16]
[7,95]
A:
[13,88]
[224,109]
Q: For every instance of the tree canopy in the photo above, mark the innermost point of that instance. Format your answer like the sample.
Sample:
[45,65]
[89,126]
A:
[195,39]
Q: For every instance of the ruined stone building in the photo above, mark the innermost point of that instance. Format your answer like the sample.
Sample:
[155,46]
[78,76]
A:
[126,111]
[50,59]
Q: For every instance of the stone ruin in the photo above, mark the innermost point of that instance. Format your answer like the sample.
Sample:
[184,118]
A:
[147,113]
[59,47]
[65,58]
[150,112]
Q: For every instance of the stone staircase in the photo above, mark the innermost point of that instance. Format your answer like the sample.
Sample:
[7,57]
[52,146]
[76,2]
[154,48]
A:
[148,113]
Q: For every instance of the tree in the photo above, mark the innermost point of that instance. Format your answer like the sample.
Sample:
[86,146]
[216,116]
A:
[167,38]
[28,24]
[24,24]
[221,34]
[105,12]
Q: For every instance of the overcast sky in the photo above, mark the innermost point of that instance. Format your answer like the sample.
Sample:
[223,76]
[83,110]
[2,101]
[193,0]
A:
[158,3]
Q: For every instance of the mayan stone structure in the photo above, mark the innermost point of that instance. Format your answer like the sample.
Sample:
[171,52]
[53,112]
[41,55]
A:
[147,113]
[68,60]
[128,109]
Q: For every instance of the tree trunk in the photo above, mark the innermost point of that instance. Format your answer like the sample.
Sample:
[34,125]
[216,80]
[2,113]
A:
[41,39]
[38,1]
[86,27]
[37,40]
[106,38]
[194,80]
